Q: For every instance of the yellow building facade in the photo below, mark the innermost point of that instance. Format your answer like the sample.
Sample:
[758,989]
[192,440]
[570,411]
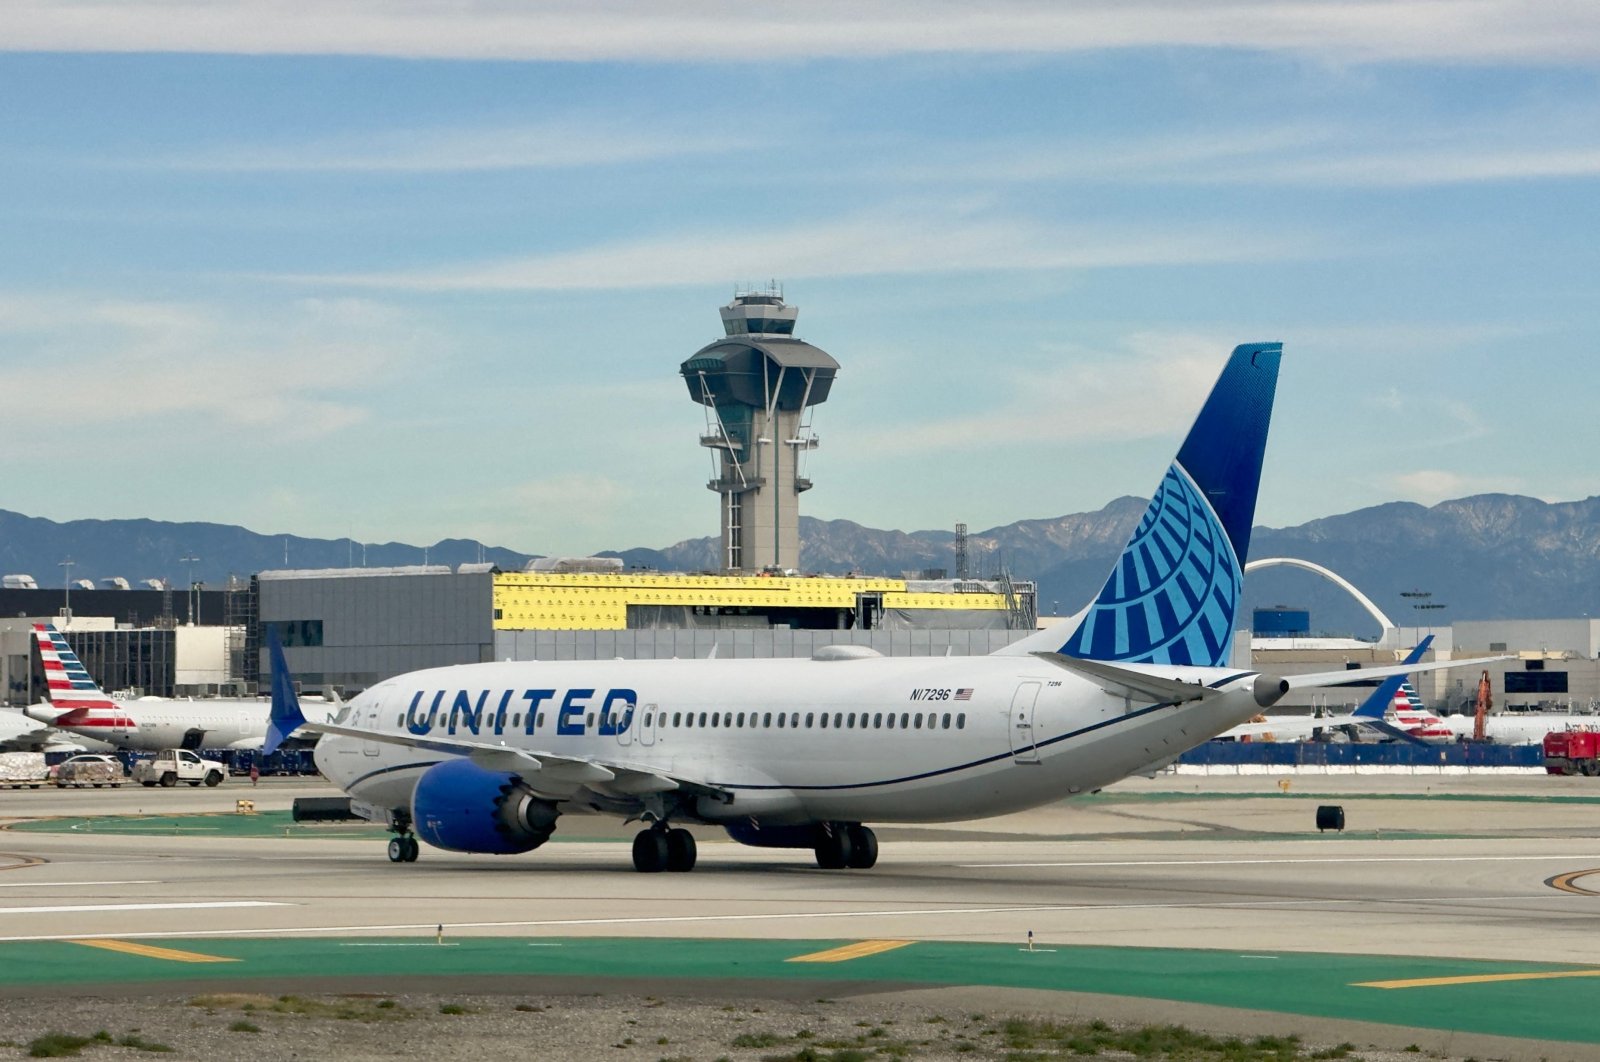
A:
[601,601]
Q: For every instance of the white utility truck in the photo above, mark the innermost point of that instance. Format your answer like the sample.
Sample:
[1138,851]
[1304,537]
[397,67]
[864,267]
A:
[172,766]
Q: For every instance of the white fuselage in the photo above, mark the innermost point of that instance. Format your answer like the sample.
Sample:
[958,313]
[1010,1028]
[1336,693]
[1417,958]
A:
[970,736]
[150,724]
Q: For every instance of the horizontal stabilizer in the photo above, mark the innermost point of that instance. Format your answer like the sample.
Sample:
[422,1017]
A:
[1389,729]
[1121,680]
[1324,679]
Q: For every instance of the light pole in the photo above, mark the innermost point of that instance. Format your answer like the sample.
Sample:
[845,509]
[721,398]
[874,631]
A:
[1422,601]
[191,560]
[66,610]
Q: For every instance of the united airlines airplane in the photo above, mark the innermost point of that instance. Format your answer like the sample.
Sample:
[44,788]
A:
[804,753]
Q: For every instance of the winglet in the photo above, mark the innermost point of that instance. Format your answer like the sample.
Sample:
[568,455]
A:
[286,716]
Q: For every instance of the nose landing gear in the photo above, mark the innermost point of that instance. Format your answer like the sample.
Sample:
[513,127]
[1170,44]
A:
[404,849]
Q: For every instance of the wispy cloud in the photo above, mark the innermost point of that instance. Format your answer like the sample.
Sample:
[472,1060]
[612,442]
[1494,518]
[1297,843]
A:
[575,142]
[1429,486]
[1149,388]
[1342,154]
[302,373]
[729,31]
[890,244]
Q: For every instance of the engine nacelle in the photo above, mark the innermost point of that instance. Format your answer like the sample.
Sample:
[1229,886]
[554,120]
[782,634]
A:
[461,807]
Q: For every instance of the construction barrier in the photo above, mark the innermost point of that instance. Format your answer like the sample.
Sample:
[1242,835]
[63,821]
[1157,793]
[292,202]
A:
[1324,754]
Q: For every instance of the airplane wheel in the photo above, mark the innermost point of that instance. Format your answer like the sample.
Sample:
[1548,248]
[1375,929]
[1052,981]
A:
[650,851]
[863,847]
[169,780]
[397,850]
[213,779]
[681,851]
[833,848]
[413,848]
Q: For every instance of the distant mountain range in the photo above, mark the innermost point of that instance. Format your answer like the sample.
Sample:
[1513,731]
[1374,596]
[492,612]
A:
[1483,557]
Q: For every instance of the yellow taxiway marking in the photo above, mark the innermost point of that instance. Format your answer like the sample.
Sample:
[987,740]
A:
[1478,979]
[1564,882]
[859,950]
[128,947]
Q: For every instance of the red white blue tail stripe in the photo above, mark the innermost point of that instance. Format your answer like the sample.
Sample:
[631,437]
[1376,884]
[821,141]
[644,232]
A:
[66,679]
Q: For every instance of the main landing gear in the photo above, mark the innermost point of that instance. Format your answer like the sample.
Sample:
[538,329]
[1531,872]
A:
[846,844]
[660,848]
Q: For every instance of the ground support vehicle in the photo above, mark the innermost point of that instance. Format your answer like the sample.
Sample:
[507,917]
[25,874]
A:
[23,770]
[92,769]
[172,766]
[1572,752]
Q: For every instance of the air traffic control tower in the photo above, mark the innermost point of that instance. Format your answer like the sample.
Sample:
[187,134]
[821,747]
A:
[759,385]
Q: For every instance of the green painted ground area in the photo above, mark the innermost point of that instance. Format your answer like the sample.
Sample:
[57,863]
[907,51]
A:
[260,824]
[1486,798]
[1294,983]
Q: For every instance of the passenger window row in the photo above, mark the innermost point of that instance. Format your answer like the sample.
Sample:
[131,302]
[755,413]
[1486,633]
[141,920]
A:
[814,720]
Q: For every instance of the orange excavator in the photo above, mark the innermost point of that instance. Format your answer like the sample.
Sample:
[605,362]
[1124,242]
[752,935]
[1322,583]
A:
[1485,702]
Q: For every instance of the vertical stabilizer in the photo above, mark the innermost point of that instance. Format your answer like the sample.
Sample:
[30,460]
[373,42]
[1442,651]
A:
[67,682]
[1174,593]
[285,715]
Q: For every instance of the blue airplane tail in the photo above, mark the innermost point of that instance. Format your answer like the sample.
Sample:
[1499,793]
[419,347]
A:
[285,716]
[1372,710]
[1174,593]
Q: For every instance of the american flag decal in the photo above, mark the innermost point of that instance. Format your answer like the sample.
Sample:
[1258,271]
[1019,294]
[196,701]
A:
[963,695]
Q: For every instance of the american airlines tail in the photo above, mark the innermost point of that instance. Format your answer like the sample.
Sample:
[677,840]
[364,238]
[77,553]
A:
[66,679]
[1174,593]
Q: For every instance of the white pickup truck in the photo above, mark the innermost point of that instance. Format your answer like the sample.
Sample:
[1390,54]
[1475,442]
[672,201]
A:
[172,766]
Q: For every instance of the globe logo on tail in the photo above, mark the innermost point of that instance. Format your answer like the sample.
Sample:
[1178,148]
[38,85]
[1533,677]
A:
[1175,590]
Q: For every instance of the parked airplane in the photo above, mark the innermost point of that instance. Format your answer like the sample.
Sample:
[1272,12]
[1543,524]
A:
[148,724]
[20,733]
[1411,720]
[802,753]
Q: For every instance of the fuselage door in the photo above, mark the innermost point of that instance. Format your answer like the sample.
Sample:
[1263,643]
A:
[370,722]
[624,721]
[1024,749]
[645,720]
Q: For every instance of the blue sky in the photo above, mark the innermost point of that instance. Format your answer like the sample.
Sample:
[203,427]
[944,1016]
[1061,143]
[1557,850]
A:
[427,268]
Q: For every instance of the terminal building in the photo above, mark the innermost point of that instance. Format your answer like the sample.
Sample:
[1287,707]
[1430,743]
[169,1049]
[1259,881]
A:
[350,628]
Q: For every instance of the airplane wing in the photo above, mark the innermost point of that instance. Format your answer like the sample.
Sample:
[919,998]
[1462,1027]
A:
[546,772]
[1286,725]
[1323,679]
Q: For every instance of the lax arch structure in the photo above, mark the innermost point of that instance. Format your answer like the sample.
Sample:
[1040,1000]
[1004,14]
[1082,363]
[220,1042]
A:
[1332,576]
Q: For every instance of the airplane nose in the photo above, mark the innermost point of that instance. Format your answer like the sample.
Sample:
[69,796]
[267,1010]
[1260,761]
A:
[1269,690]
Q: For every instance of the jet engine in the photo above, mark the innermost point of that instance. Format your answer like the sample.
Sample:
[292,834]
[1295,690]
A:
[462,807]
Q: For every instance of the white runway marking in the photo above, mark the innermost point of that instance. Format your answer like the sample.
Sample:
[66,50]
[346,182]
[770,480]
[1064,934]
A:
[90,907]
[397,927]
[1569,857]
[69,884]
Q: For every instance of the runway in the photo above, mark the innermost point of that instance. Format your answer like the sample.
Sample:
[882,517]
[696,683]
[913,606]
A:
[1462,871]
